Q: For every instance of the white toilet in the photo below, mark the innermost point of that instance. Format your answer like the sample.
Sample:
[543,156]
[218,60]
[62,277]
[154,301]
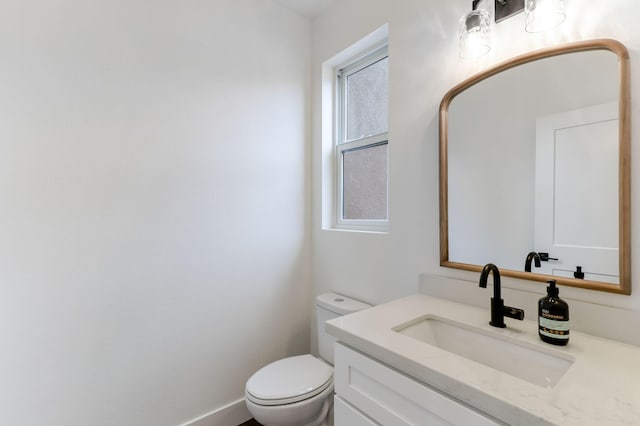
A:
[298,391]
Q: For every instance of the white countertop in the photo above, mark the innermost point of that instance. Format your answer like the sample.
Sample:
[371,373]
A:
[602,387]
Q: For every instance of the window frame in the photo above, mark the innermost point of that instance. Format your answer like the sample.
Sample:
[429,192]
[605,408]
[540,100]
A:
[342,145]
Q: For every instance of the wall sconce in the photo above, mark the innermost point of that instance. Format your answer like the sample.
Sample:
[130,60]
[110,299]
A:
[474,28]
[474,32]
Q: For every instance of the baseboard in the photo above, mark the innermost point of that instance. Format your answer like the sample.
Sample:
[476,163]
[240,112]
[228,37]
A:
[231,414]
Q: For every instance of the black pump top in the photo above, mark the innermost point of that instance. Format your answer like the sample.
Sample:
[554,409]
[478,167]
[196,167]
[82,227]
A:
[552,290]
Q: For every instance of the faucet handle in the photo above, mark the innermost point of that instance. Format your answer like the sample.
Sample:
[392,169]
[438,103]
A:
[515,313]
[545,257]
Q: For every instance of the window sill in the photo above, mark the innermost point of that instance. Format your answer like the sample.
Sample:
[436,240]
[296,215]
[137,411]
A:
[377,228]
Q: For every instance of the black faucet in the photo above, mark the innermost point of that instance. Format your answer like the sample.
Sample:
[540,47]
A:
[498,308]
[532,256]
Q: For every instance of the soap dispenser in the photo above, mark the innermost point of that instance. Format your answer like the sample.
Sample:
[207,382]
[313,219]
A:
[553,317]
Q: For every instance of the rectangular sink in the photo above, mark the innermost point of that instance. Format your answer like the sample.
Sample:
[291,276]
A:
[518,359]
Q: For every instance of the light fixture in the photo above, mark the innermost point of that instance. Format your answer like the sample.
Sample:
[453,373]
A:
[474,28]
[543,15]
[474,32]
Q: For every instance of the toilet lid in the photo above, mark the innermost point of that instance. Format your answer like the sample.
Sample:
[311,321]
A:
[289,380]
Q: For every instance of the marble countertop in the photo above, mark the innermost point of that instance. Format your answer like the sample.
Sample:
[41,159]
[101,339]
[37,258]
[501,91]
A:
[602,387]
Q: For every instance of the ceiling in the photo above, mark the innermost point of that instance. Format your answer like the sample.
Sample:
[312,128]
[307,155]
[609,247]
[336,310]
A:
[307,8]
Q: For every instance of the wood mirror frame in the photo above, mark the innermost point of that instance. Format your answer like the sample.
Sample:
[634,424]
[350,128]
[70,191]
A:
[624,167]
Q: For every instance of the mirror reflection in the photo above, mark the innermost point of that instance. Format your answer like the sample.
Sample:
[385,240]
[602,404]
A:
[533,170]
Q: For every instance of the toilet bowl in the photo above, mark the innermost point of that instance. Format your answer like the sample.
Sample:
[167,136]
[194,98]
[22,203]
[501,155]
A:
[298,391]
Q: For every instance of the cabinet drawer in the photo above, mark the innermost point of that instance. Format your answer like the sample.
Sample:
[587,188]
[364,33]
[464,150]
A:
[392,398]
[344,414]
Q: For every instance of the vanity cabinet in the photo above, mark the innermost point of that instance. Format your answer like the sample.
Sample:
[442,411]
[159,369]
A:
[371,393]
[345,414]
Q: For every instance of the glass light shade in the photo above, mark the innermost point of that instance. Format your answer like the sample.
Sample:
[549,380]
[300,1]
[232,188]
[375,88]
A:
[474,34]
[543,15]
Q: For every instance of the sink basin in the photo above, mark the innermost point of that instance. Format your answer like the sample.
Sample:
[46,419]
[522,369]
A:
[518,359]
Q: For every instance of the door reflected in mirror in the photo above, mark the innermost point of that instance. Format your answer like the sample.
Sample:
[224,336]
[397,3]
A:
[535,158]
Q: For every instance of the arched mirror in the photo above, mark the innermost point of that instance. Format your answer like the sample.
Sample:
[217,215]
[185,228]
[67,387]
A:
[535,168]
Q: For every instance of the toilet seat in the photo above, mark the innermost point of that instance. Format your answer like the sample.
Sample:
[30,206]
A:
[289,380]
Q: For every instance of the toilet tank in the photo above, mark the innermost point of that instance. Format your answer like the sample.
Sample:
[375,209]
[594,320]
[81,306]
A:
[329,306]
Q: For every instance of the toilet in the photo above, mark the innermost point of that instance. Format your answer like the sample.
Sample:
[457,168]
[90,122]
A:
[298,391]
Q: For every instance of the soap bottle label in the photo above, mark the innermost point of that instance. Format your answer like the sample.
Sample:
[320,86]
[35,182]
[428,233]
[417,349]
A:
[554,328]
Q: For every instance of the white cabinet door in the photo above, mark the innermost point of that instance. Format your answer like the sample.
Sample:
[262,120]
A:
[576,192]
[344,414]
[394,399]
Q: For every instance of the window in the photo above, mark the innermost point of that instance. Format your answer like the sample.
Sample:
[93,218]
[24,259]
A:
[362,142]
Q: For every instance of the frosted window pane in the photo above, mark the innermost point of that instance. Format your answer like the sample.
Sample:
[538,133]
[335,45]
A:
[365,183]
[367,97]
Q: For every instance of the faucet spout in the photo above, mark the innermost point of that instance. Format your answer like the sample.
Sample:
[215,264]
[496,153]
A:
[490,268]
[532,256]
[498,309]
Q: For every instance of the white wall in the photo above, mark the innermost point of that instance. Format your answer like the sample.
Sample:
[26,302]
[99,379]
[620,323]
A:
[153,219]
[424,64]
